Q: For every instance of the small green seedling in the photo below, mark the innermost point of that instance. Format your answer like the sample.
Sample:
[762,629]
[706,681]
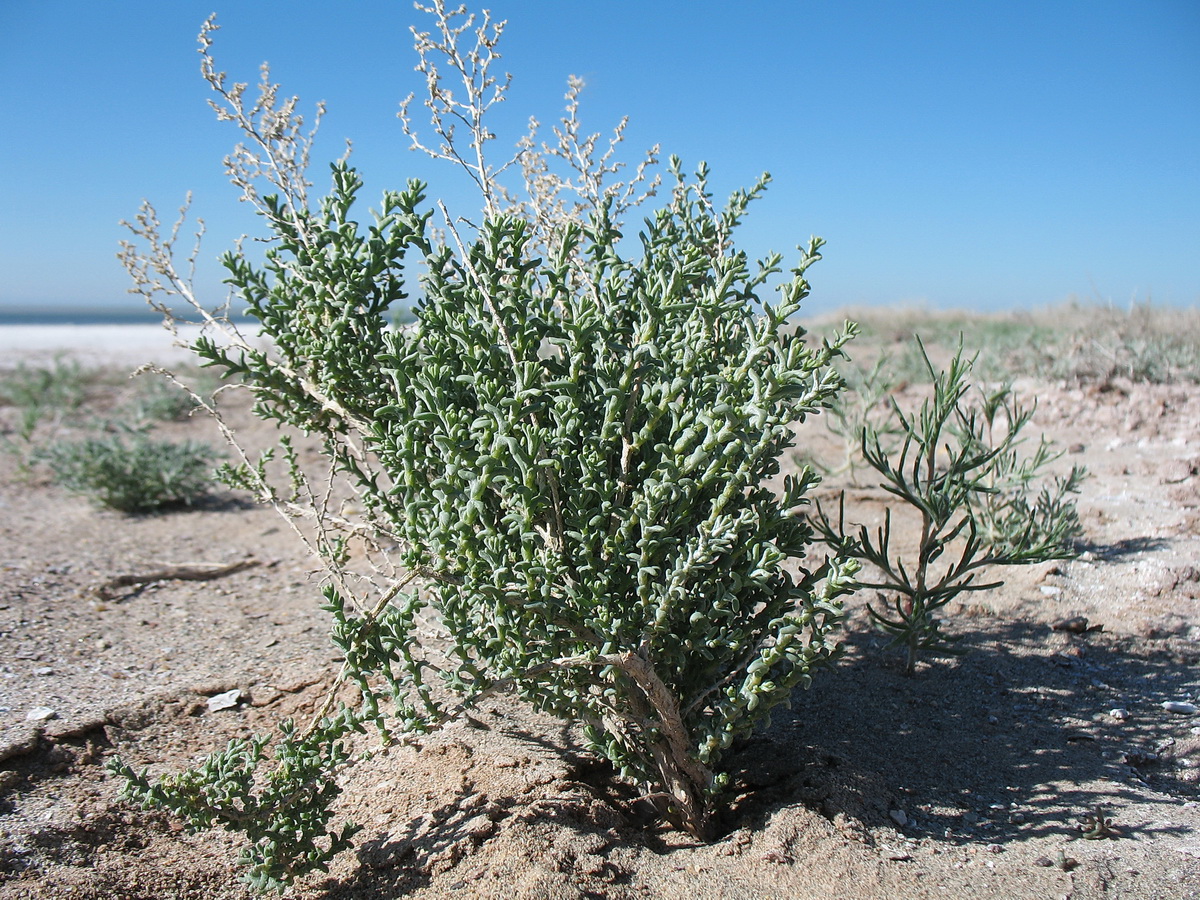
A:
[1096,826]
[975,501]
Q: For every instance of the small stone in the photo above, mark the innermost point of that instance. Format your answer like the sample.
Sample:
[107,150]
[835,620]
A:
[1119,713]
[1178,471]
[899,817]
[1044,861]
[1073,625]
[505,762]
[1183,709]
[226,700]
[994,848]
[43,670]
[41,714]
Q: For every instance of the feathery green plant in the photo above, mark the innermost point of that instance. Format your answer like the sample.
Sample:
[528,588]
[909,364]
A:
[978,502]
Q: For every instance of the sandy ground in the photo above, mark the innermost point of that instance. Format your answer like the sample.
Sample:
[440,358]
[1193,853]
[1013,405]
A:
[969,780]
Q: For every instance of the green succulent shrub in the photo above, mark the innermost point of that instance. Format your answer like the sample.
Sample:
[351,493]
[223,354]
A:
[573,459]
[564,463]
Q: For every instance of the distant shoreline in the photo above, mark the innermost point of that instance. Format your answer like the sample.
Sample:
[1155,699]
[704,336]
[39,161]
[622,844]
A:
[97,345]
[83,315]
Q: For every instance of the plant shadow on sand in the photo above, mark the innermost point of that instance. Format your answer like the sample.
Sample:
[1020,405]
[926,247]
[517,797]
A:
[1123,548]
[1012,742]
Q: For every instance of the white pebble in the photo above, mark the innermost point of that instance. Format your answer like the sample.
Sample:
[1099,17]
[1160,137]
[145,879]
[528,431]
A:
[227,700]
[1184,709]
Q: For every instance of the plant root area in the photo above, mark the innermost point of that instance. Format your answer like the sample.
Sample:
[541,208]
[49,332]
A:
[1039,763]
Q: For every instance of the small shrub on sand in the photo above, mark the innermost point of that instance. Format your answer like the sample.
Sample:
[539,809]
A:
[131,474]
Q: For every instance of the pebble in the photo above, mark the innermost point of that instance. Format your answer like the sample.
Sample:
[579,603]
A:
[43,670]
[1073,625]
[226,700]
[41,714]
[899,817]
[1119,713]
[994,848]
[1183,709]
[505,762]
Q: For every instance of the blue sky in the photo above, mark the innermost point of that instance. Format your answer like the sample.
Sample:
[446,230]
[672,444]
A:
[976,155]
